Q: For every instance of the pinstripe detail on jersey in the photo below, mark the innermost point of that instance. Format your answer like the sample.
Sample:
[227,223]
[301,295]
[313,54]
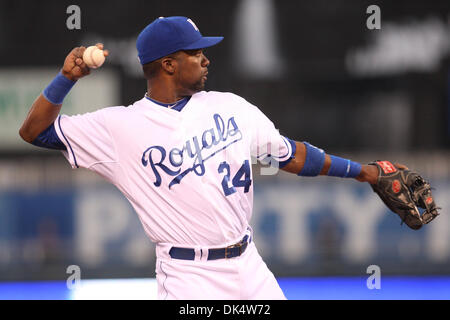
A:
[67,141]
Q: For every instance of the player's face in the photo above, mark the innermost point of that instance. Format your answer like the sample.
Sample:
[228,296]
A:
[192,70]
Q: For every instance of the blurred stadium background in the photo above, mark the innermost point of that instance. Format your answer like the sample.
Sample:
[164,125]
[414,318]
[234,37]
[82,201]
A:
[313,67]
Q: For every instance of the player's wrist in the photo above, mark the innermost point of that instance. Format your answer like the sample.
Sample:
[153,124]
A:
[57,90]
[69,76]
[369,173]
[343,168]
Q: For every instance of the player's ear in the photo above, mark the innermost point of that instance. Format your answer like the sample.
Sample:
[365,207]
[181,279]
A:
[169,64]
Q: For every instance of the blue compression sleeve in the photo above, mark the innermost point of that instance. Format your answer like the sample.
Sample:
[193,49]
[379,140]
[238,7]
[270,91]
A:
[49,139]
[314,161]
[343,168]
[339,167]
[57,90]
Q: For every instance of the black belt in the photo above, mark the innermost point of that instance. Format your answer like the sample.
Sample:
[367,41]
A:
[232,251]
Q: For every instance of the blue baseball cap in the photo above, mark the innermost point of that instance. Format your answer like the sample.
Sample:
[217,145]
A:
[168,35]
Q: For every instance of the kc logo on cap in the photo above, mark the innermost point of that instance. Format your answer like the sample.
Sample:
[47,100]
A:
[167,35]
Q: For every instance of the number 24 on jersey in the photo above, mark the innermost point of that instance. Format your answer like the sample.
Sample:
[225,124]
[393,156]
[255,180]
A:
[242,178]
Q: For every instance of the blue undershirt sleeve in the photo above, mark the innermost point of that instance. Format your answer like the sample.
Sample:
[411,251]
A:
[49,139]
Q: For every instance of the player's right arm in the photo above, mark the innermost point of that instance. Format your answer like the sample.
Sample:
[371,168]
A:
[43,112]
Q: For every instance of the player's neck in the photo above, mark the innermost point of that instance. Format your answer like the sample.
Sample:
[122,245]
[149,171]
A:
[163,92]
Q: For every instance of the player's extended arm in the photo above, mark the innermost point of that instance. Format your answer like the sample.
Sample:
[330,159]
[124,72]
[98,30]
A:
[368,173]
[402,190]
[46,107]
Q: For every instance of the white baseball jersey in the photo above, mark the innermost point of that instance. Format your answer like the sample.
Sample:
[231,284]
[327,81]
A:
[187,173]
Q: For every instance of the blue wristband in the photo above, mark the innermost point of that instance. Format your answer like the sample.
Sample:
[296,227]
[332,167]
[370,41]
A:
[57,90]
[315,158]
[343,168]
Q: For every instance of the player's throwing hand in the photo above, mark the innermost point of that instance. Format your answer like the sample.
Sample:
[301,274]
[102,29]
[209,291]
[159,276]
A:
[74,67]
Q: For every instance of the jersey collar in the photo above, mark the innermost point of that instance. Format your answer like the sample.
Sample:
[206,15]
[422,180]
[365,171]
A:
[178,106]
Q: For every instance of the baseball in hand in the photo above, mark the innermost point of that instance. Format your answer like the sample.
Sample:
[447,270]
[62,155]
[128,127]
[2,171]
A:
[93,57]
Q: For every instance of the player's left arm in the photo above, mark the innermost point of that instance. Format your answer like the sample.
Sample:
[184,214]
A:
[402,190]
[321,164]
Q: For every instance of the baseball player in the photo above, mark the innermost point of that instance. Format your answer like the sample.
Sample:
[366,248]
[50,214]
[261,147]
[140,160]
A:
[182,157]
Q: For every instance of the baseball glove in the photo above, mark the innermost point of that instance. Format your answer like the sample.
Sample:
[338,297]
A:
[404,192]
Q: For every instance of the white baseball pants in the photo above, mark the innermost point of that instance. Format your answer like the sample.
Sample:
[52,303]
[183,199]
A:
[245,277]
